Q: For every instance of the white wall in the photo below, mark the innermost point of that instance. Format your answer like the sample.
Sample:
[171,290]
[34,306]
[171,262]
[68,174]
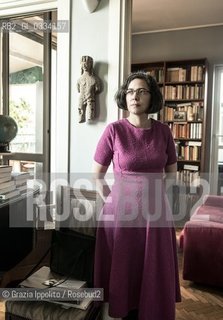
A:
[98,35]
[179,45]
[89,37]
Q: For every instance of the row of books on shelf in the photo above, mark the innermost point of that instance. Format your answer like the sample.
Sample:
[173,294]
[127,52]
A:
[178,74]
[186,130]
[189,175]
[157,74]
[197,73]
[184,92]
[189,153]
[194,111]
[12,184]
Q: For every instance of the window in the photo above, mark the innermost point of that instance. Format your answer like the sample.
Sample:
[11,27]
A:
[29,85]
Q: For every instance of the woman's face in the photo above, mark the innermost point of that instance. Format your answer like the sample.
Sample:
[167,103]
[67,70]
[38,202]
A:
[138,97]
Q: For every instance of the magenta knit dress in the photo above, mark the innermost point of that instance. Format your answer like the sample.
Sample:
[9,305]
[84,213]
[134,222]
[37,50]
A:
[135,258]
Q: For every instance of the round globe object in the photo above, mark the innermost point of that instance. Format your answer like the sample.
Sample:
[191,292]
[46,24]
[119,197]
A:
[8,131]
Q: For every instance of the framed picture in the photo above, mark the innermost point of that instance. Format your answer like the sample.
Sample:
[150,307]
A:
[180,116]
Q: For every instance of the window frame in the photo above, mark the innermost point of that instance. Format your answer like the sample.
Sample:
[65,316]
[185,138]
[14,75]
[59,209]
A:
[43,157]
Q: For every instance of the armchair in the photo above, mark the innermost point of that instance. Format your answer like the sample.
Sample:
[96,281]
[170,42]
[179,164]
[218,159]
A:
[203,243]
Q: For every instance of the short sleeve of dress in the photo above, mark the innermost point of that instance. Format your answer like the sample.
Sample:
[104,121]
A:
[171,149]
[104,149]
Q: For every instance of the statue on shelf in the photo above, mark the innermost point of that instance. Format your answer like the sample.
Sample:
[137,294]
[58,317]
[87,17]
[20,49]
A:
[88,86]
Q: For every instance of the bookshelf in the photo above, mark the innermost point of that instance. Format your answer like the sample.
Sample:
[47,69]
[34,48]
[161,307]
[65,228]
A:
[184,88]
[156,69]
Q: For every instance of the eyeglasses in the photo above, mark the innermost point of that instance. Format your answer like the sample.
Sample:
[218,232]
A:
[140,92]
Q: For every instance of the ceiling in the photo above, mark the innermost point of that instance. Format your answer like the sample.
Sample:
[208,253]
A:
[26,51]
[164,15]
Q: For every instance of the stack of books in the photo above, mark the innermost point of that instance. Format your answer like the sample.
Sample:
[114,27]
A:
[12,184]
[20,180]
[8,188]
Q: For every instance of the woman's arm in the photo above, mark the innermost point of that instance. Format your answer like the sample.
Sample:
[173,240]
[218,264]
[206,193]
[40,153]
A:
[99,170]
[172,168]
[101,186]
[170,175]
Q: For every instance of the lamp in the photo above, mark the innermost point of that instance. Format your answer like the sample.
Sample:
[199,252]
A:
[90,5]
[8,131]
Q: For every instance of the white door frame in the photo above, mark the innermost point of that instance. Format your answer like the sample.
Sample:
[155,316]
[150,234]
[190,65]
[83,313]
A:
[216,134]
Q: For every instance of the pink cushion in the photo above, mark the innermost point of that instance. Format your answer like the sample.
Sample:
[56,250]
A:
[208,213]
[210,210]
[215,201]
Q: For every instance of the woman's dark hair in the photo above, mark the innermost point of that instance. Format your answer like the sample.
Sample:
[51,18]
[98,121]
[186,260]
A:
[156,102]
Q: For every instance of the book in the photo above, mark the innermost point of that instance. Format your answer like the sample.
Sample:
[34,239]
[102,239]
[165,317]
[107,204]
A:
[9,195]
[194,143]
[6,184]
[5,179]
[83,305]
[38,278]
[5,174]
[7,189]
[43,277]
[20,182]
[5,168]
[20,175]
[191,167]
[22,187]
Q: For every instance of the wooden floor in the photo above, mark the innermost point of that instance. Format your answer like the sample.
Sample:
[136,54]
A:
[2,311]
[198,302]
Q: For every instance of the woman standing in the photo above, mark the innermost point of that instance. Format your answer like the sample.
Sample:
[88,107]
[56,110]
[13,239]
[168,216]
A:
[135,258]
